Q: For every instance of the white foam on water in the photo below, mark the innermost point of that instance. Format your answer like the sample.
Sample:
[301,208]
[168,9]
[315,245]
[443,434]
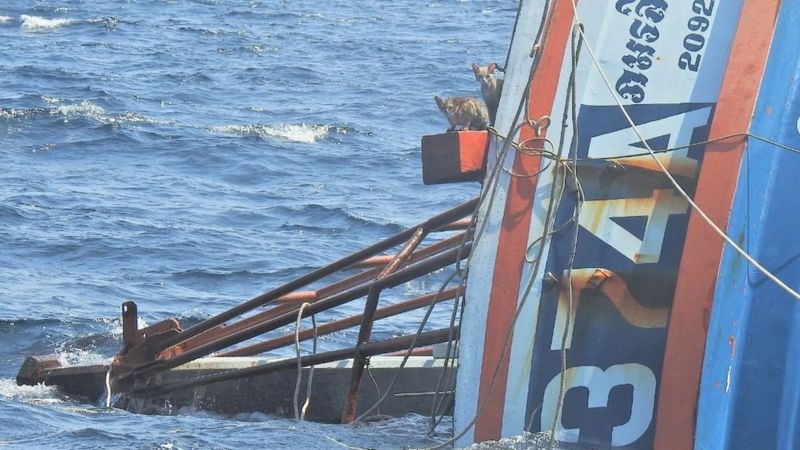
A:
[33,23]
[115,325]
[14,113]
[302,132]
[85,109]
[527,441]
[40,392]
[52,100]
[89,110]
[133,117]
[80,357]
[6,19]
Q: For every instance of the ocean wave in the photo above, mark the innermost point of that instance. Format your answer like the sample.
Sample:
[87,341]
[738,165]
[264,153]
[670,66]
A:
[315,218]
[305,133]
[38,23]
[52,100]
[215,273]
[211,31]
[6,19]
[21,113]
[69,357]
[109,22]
[83,109]
[32,23]
[40,392]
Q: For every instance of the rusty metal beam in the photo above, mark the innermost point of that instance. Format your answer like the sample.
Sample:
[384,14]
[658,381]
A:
[223,330]
[432,223]
[460,224]
[372,261]
[351,401]
[370,349]
[298,297]
[342,324]
[130,326]
[371,274]
[407,274]
[291,301]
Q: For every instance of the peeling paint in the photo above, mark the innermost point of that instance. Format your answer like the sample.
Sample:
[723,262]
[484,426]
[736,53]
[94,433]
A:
[728,380]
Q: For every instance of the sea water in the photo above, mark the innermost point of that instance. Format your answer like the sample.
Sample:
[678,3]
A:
[191,154]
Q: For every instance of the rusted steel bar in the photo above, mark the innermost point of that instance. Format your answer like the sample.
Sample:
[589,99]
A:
[404,253]
[370,274]
[407,274]
[351,401]
[432,223]
[130,326]
[372,261]
[370,349]
[421,351]
[342,324]
[460,224]
[223,330]
[290,302]
[202,338]
[298,297]
[159,327]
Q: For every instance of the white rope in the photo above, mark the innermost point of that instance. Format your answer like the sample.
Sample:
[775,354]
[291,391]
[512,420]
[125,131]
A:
[300,413]
[669,176]
[108,388]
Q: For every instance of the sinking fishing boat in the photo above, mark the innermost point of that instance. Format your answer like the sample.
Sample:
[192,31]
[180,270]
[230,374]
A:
[632,276]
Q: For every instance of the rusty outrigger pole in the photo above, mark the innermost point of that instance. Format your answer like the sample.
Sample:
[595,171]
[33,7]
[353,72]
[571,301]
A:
[145,363]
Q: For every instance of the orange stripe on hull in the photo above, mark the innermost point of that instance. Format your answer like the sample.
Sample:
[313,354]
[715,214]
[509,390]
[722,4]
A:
[683,359]
[513,238]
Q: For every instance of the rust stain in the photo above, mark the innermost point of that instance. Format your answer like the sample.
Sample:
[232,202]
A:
[615,289]
[732,343]
[676,165]
[770,110]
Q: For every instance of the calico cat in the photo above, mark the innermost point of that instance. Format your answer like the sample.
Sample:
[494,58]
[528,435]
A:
[466,112]
[491,87]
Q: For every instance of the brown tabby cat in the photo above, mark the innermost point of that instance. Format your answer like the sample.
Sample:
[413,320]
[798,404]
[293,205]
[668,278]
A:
[491,87]
[466,112]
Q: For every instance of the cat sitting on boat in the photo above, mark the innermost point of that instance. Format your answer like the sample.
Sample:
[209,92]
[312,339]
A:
[465,112]
[491,87]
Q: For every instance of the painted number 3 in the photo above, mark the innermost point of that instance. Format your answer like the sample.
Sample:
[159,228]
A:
[599,383]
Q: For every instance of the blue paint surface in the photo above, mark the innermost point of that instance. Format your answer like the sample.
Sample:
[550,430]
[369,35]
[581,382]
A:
[602,337]
[750,387]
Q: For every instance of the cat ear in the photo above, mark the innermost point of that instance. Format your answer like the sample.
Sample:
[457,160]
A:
[476,68]
[438,101]
[491,67]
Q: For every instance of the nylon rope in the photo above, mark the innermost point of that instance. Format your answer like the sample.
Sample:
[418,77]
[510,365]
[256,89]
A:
[300,412]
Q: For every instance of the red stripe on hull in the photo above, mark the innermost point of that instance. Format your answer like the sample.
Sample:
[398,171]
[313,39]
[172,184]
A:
[513,238]
[683,359]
